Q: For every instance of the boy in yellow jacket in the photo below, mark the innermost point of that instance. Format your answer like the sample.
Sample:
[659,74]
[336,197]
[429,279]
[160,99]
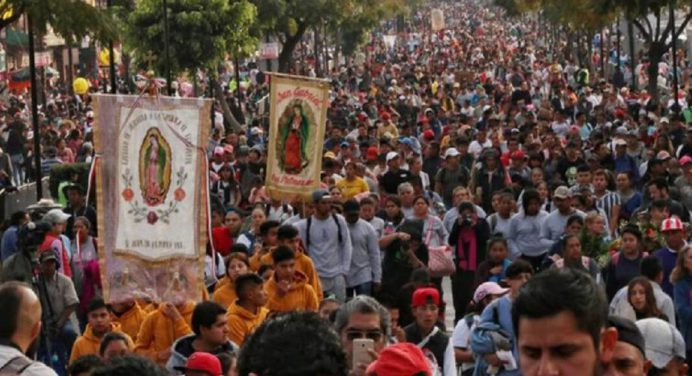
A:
[248,312]
[161,328]
[99,324]
[288,235]
[130,317]
[288,289]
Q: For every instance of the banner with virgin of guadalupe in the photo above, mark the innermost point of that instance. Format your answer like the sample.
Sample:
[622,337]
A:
[151,188]
[298,117]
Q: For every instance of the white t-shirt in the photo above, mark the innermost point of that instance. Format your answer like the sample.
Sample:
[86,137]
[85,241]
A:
[461,337]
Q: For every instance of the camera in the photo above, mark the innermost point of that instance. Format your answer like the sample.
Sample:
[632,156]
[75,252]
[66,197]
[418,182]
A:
[465,220]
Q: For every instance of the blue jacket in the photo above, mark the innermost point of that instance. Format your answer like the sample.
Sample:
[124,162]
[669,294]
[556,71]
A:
[496,316]
[683,306]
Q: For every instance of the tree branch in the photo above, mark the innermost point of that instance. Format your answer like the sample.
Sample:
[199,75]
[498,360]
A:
[642,29]
[658,24]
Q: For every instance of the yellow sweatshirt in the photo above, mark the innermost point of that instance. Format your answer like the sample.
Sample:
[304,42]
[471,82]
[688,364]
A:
[130,321]
[88,343]
[158,332]
[225,292]
[300,296]
[242,322]
[304,264]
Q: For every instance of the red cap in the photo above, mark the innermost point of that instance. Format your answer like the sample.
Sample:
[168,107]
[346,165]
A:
[204,362]
[518,154]
[371,154]
[685,160]
[401,359]
[429,134]
[619,113]
[386,116]
[362,116]
[425,296]
[672,224]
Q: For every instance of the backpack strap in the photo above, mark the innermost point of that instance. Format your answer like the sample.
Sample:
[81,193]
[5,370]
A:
[338,228]
[15,366]
[307,234]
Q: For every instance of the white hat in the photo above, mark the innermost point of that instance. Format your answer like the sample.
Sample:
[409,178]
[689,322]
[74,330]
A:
[55,216]
[664,120]
[391,155]
[662,341]
[451,152]
[620,142]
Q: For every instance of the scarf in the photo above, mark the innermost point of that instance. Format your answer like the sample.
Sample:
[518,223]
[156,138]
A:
[467,252]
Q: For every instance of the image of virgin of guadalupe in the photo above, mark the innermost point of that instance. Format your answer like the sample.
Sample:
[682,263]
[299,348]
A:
[154,168]
[294,131]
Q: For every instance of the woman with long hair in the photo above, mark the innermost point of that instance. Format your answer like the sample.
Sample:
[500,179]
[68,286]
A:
[237,264]
[640,295]
[85,265]
[227,188]
[625,264]
[681,277]
[434,232]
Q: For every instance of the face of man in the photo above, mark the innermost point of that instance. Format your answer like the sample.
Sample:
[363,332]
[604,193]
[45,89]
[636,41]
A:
[115,349]
[367,212]
[426,316]
[362,325]
[258,295]
[327,309]
[74,197]
[562,350]
[563,204]
[323,207]
[48,268]
[406,196]
[216,334]
[627,361]
[285,270]
[100,321]
[233,221]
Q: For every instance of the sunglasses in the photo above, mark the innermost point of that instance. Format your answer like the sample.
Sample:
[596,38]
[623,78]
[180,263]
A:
[374,335]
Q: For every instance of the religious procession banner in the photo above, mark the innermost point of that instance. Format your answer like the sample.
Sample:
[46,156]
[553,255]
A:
[298,117]
[151,187]
[437,19]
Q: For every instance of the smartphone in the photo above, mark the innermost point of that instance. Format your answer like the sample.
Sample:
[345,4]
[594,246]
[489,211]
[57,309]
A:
[360,351]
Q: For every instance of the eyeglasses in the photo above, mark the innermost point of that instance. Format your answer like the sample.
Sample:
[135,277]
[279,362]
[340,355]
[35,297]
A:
[374,335]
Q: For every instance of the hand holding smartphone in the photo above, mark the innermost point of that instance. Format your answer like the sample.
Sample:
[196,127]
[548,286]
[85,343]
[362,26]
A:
[361,353]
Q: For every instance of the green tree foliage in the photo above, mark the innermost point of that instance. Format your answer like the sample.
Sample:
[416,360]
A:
[200,32]
[289,20]
[72,19]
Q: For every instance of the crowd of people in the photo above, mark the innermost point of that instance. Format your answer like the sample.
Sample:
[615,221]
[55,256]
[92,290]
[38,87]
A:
[553,198]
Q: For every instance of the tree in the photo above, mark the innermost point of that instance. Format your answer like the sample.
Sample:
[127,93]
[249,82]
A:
[657,38]
[72,19]
[199,31]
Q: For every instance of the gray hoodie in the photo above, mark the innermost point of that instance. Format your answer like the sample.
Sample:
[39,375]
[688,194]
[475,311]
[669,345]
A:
[182,349]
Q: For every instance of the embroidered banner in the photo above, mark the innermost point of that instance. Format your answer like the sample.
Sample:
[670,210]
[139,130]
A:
[437,19]
[298,117]
[151,186]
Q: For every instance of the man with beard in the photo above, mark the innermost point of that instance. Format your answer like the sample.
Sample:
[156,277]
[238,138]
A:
[20,326]
[560,319]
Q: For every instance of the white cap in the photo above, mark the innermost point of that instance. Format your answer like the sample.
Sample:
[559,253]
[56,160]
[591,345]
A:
[55,216]
[391,155]
[620,142]
[664,120]
[662,341]
[451,152]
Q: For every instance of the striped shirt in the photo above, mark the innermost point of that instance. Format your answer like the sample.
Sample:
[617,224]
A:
[607,201]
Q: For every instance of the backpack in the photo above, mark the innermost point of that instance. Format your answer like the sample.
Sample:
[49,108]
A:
[307,231]
[15,366]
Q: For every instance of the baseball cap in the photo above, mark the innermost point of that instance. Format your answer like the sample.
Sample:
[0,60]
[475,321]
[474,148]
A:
[451,152]
[391,155]
[662,341]
[46,255]
[56,216]
[203,362]
[401,359]
[562,192]
[330,155]
[620,142]
[218,150]
[487,288]
[621,131]
[628,332]
[518,155]
[664,120]
[672,224]
[428,134]
[228,148]
[685,160]
[425,296]
[320,195]
[663,155]
[371,154]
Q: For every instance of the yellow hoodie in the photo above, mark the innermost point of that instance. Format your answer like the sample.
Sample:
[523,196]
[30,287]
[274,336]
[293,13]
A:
[242,322]
[158,332]
[225,292]
[304,264]
[88,343]
[130,320]
[300,296]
